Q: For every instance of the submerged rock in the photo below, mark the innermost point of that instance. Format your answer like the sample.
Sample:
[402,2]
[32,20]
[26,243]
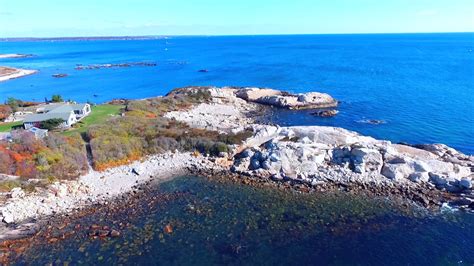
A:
[325,113]
[372,121]
[59,75]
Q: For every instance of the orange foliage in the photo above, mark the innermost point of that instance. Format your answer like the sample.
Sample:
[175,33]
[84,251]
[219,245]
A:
[102,166]
[150,115]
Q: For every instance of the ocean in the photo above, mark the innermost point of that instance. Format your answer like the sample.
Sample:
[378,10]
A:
[420,85]
[196,221]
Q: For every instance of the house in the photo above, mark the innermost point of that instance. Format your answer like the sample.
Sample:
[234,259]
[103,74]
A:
[69,112]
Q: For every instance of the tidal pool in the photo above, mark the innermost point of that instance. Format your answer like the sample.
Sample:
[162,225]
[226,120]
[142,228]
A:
[197,221]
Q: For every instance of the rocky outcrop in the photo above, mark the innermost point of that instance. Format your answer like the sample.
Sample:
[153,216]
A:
[310,100]
[100,66]
[225,112]
[325,154]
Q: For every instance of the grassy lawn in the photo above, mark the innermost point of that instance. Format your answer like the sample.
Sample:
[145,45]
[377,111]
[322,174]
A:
[6,127]
[99,114]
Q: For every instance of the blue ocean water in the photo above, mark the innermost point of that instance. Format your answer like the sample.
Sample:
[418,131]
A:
[218,223]
[422,85]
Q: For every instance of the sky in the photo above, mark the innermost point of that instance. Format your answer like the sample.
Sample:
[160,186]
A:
[67,18]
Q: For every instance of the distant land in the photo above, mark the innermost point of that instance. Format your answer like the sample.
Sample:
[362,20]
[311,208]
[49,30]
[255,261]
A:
[157,37]
[108,38]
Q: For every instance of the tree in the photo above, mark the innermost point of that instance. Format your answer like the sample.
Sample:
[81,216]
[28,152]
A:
[57,98]
[51,124]
[14,103]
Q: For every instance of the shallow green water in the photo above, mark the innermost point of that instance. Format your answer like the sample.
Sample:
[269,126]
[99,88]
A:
[225,223]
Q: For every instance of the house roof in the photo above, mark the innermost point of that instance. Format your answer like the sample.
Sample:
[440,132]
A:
[63,107]
[66,108]
[47,116]
[79,106]
[37,130]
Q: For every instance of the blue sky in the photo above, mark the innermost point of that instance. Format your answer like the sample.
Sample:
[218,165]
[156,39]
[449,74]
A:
[54,18]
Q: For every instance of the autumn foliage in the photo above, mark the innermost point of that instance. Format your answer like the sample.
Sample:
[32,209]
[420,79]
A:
[5,112]
[55,156]
[141,131]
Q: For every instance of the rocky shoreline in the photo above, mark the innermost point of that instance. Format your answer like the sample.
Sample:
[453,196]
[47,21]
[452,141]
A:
[317,155]
[305,159]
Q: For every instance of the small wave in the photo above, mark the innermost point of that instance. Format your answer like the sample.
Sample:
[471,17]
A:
[446,208]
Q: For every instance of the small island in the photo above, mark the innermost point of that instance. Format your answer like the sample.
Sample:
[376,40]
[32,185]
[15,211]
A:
[7,73]
[2,56]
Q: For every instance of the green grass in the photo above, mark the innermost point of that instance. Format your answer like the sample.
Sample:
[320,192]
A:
[6,127]
[99,114]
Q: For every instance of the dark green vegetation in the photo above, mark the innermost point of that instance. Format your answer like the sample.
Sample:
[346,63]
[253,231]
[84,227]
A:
[196,221]
[57,98]
[114,140]
[51,124]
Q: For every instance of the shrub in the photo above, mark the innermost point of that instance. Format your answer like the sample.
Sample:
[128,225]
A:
[51,124]
[56,98]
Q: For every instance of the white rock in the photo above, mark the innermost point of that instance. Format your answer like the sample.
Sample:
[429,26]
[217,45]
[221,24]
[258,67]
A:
[396,171]
[17,193]
[8,217]
[419,177]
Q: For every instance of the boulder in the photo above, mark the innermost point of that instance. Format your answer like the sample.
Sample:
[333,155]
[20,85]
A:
[254,164]
[266,165]
[465,183]
[316,100]
[254,94]
[247,153]
[396,171]
[366,160]
[17,193]
[419,177]
[8,217]
[274,157]
[438,179]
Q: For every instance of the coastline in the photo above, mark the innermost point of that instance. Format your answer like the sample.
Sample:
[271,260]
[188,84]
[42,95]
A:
[8,73]
[97,187]
[305,156]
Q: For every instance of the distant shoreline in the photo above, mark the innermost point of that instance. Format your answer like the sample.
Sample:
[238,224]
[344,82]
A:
[159,37]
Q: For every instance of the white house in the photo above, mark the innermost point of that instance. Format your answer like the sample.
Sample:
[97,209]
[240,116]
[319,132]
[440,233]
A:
[70,113]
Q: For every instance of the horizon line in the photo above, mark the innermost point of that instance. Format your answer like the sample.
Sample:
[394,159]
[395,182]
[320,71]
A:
[222,35]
